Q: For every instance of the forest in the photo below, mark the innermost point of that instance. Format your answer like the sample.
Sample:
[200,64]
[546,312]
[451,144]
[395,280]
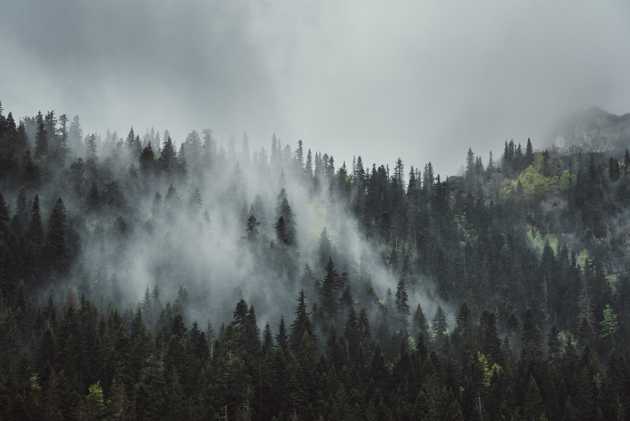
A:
[147,278]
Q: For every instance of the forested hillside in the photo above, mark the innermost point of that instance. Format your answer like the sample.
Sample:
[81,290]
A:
[147,278]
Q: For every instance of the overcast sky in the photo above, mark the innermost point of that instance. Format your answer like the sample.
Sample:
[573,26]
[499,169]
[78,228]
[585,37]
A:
[420,79]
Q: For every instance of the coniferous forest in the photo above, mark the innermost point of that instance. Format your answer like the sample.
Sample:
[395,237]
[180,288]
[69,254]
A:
[150,278]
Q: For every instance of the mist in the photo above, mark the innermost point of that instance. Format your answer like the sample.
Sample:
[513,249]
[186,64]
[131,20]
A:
[410,79]
[169,241]
[314,210]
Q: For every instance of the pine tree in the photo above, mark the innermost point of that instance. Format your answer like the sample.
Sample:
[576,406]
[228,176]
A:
[4,216]
[463,320]
[90,147]
[353,332]
[609,324]
[533,407]
[439,325]
[308,166]
[489,338]
[252,333]
[529,152]
[364,325]
[93,405]
[614,171]
[267,344]
[30,169]
[299,155]
[532,340]
[150,393]
[240,323]
[301,324]
[41,140]
[147,159]
[168,158]
[75,134]
[53,398]
[328,291]
[133,144]
[285,225]
[35,232]
[420,323]
[281,338]
[554,346]
[402,305]
[325,248]
[435,401]
[62,146]
[93,198]
[56,251]
[251,228]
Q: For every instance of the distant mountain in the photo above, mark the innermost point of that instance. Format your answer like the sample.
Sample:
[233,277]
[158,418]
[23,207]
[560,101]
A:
[593,129]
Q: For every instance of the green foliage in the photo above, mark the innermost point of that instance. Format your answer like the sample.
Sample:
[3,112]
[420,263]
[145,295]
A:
[93,405]
[488,370]
[609,324]
[583,258]
[535,185]
[538,240]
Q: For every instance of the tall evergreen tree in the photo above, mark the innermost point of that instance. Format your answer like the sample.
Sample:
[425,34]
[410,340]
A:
[41,140]
[301,325]
[35,229]
[56,248]
[285,225]
[420,323]
[402,305]
[168,157]
[439,325]
[328,291]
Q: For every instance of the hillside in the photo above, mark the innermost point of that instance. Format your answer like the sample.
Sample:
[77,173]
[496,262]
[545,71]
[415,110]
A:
[147,278]
[594,129]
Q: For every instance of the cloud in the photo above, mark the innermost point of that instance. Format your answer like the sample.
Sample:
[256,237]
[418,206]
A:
[422,80]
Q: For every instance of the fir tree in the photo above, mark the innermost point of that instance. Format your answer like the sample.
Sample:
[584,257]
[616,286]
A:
[439,325]
[328,291]
[35,230]
[41,142]
[56,249]
[402,305]
[301,325]
[281,338]
[420,323]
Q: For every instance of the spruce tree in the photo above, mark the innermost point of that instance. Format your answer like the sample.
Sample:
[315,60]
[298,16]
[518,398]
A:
[285,225]
[56,251]
[4,216]
[439,325]
[41,139]
[529,152]
[35,232]
[609,323]
[402,305]
[251,228]
[282,338]
[267,344]
[301,325]
[420,323]
[328,291]
[168,158]
[147,159]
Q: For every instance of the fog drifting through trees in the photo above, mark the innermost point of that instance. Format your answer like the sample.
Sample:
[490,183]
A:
[146,278]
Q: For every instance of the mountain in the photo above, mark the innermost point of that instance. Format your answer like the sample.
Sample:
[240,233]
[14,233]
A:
[593,129]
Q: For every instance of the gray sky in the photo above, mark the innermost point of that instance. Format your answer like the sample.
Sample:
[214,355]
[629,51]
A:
[420,79]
